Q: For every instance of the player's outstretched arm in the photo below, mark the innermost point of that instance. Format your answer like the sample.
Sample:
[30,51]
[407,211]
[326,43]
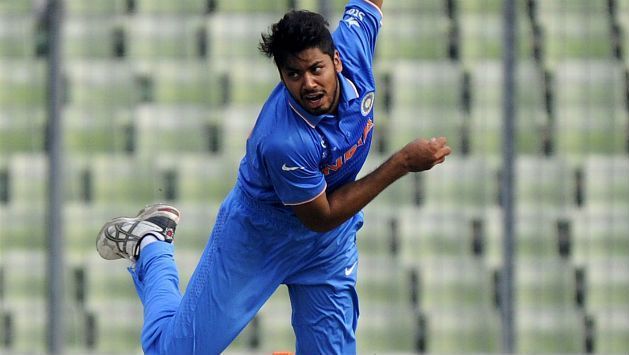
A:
[330,210]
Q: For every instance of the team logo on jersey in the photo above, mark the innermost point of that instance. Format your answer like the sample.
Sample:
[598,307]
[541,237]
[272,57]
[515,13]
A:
[367,104]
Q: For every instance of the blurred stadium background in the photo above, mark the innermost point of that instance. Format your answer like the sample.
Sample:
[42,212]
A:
[159,96]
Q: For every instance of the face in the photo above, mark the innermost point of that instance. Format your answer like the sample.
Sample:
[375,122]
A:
[311,78]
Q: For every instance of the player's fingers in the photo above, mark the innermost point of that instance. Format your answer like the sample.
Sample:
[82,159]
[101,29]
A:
[443,152]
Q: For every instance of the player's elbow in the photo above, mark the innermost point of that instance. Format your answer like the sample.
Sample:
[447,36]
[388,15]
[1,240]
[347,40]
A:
[318,225]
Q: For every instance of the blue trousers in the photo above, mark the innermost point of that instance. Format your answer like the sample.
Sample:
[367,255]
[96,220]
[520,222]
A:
[252,250]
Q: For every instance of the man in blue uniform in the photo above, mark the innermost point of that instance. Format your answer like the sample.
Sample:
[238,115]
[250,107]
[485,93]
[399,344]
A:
[294,212]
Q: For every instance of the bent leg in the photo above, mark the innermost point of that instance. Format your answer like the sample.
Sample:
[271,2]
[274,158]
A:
[235,276]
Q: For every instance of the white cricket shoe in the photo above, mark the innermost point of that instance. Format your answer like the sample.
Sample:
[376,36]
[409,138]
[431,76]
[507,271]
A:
[120,237]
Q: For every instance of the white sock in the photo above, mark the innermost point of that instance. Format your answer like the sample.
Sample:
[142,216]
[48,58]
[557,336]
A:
[147,239]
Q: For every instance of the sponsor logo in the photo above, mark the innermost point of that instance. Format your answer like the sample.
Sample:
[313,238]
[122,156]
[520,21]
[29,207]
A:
[367,104]
[291,168]
[349,270]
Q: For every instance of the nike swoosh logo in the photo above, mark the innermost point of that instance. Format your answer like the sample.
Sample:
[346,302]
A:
[349,270]
[291,168]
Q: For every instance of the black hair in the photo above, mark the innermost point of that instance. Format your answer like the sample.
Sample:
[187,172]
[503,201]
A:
[295,32]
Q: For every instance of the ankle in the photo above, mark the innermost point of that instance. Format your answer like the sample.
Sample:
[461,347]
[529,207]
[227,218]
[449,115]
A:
[148,239]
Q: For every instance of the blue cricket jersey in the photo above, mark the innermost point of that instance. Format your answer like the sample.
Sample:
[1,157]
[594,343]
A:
[293,156]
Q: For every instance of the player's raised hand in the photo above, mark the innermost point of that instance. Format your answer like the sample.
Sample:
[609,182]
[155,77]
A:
[423,154]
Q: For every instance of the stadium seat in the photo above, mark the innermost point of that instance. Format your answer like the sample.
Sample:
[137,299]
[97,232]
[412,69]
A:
[254,7]
[425,102]
[236,35]
[238,123]
[533,130]
[28,174]
[436,231]
[24,223]
[481,35]
[379,235]
[462,330]
[575,29]
[202,178]
[118,179]
[606,181]
[91,130]
[93,37]
[427,7]
[612,330]
[119,323]
[537,233]
[385,328]
[13,8]
[173,8]
[183,82]
[463,283]
[249,87]
[486,114]
[544,183]
[607,283]
[622,18]
[17,34]
[590,114]
[545,283]
[95,8]
[157,38]
[557,330]
[103,84]
[462,182]
[382,280]
[107,281]
[600,233]
[413,36]
[23,130]
[24,276]
[22,83]
[174,129]
[29,327]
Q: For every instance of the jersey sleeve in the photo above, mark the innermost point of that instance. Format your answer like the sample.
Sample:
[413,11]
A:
[355,36]
[294,170]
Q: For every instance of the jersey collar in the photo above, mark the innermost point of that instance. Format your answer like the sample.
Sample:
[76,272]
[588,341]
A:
[348,93]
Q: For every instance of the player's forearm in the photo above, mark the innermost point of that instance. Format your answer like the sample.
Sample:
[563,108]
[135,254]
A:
[329,211]
[351,198]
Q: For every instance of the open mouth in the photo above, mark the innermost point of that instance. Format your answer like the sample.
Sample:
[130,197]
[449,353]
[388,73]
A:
[313,100]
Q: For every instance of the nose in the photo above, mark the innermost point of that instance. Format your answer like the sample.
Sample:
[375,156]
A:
[309,81]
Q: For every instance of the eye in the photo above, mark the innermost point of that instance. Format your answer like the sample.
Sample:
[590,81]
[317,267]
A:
[317,69]
[292,75]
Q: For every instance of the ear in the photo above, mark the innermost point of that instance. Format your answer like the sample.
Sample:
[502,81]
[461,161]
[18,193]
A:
[338,64]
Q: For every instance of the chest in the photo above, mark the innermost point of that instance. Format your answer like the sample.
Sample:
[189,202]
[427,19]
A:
[346,141]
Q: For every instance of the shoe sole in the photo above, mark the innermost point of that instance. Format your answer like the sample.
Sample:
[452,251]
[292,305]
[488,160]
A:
[159,210]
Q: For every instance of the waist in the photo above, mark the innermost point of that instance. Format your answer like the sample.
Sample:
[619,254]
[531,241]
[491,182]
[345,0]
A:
[278,215]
